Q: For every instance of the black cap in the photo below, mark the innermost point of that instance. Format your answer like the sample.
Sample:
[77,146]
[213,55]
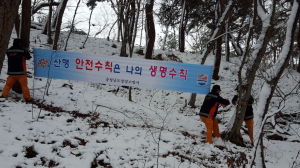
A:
[17,42]
[216,87]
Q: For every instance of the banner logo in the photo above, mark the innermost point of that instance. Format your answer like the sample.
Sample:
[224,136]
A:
[202,79]
[43,63]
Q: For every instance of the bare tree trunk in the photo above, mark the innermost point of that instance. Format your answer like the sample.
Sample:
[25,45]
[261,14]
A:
[298,44]
[134,27]
[124,24]
[150,29]
[72,25]
[181,39]
[104,27]
[142,28]
[193,100]
[133,31]
[298,69]
[227,38]
[165,37]
[45,30]
[292,65]
[132,14]
[49,38]
[25,34]
[217,63]
[274,55]
[119,21]
[87,36]
[183,30]
[118,10]
[110,30]
[163,47]
[218,43]
[54,20]
[59,21]
[56,15]
[130,97]
[26,22]
[8,12]
[17,25]
[235,46]
[119,30]
[298,36]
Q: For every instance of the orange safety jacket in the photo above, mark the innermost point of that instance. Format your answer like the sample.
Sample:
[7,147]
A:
[210,105]
[17,57]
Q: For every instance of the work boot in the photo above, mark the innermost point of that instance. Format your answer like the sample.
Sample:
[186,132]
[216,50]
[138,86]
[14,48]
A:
[28,100]
[2,98]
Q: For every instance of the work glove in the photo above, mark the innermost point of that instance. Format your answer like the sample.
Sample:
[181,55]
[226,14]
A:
[244,104]
[234,100]
[223,104]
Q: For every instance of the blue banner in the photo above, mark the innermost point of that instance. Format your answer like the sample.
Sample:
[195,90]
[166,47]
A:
[122,71]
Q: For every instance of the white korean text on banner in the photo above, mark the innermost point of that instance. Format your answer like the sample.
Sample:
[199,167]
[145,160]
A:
[122,71]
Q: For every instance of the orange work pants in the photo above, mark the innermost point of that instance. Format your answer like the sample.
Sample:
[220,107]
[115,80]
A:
[249,125]
[11,79]
[212,125]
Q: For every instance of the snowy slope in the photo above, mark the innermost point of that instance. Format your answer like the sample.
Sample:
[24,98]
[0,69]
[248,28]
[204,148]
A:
[88,125]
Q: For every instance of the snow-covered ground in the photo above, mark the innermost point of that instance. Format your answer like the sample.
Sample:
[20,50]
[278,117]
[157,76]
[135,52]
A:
[84,124]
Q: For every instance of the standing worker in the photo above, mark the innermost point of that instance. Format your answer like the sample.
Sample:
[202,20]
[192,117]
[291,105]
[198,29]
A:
[17,57]
[209,110]
[248,119]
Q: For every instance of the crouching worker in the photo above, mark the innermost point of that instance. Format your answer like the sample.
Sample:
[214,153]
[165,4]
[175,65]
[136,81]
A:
[248,119]
[17,57]
[209,110]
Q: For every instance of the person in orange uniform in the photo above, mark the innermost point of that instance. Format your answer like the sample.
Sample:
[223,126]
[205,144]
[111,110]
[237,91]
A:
[248,119]
[209,110]
[17,57]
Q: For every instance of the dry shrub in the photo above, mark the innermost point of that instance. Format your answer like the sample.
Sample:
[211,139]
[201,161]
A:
[29,151]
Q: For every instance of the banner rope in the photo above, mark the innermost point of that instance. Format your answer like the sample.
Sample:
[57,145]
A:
[47,83]
[32,91]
